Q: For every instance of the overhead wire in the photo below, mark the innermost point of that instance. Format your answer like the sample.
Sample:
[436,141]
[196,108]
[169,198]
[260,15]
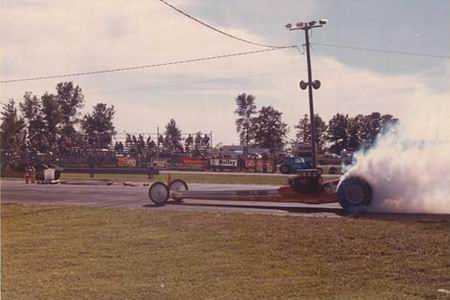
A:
[407,53]
[139,67]
[195,19]
[186,61]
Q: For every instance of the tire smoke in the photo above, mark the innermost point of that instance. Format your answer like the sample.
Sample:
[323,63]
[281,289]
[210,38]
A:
[409,166]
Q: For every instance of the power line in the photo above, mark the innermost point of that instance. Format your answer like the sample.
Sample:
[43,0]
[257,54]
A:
[139,67]
[319,44]
[216,29]
[382,50]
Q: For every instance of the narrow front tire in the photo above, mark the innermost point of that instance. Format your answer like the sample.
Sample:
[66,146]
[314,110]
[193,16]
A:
[158,193]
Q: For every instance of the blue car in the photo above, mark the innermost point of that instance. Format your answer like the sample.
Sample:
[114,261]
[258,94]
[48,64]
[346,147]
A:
[295,165]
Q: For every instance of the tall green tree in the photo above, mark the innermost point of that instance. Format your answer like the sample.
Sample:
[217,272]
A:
[32,113]
[337,133]
[269,129]
[303,127]
[98,125]
[353,133]
[12,133]
[52,116]
[303,134]
[172,137]
[372,125]
[246,110]
[369,128]
[359,132]
[70,99]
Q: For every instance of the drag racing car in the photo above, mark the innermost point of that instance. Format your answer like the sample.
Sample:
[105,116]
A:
[352,192]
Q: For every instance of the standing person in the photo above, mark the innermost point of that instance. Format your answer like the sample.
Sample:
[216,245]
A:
[91,163]
[29,173]
[153,170]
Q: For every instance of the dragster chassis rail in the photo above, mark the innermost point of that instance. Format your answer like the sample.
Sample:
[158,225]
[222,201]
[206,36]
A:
[353,193]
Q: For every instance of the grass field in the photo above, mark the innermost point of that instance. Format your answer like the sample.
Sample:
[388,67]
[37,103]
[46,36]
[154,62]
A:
[193,178]
[87,253]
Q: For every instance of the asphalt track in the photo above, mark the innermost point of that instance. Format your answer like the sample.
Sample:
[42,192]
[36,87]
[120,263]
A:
[119,196]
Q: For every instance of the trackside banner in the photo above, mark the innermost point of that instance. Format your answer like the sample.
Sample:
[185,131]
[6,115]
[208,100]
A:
[229,163]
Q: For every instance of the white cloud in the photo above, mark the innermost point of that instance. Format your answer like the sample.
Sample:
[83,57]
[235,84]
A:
[61,36]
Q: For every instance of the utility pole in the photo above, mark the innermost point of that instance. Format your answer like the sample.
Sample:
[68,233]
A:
[211,140]
[306,27]
[157,142]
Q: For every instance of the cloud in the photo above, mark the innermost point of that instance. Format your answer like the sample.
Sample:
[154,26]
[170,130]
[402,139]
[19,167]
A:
[51,37]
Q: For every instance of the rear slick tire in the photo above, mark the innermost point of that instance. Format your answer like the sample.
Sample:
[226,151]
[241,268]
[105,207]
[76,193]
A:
[354,195]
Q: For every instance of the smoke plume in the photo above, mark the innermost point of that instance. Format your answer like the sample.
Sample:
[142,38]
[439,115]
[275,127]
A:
[409,167]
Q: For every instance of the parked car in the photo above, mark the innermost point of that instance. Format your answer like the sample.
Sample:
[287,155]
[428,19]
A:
[294,165]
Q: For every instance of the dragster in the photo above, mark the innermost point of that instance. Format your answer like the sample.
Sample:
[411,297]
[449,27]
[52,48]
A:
[353,193]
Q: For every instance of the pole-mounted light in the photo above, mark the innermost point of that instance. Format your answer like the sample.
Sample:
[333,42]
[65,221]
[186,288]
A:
[307,25]
[315,84]
[310,84]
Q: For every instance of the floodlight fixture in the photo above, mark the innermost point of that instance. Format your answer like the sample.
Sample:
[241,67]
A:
[303,85]
[316,84]
[300,25]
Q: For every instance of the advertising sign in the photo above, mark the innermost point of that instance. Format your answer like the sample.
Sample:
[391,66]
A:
[225,163]
[122,162]
[194,164]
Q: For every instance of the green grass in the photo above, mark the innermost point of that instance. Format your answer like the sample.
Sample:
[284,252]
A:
[93,253]
[192,178]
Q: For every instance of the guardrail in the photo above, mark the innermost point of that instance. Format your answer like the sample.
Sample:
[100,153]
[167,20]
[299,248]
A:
[147,171]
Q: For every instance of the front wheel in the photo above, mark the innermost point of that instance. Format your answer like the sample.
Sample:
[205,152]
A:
[158,193]
[354,194]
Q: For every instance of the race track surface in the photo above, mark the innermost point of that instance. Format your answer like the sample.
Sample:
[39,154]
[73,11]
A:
[119,196]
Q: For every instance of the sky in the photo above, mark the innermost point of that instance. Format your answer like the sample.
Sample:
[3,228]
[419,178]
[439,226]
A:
[53,37]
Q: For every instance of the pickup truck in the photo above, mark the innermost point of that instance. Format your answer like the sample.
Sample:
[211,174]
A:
[294,165]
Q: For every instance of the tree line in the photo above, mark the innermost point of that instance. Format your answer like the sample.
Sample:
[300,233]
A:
[52,123]
[171,141]
[265,128]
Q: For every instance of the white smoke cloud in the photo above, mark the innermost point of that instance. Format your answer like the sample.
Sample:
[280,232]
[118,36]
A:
[409,167]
